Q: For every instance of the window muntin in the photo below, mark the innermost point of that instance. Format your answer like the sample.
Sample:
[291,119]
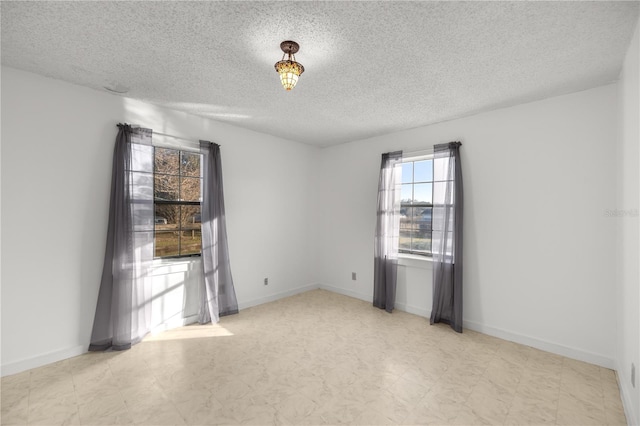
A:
[177,203]
[416,206]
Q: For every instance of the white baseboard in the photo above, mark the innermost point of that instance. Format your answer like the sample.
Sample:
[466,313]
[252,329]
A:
[626,396]
[345,292]
[40,360]
[51,357]
[404,307]
[421,312]
[273,297]
[544,345]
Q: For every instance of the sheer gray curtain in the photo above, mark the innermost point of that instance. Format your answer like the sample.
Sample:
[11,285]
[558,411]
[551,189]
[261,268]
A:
[447,236]
[387,232]
[218,295]
[123,311]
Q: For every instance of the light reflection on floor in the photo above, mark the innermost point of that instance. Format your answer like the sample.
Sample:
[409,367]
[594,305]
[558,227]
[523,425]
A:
[193,331]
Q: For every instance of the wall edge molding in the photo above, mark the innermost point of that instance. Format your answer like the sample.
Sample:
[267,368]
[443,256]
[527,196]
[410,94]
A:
[626,397]
[600,360]
[544,345]
[533,342]
[345,292]
[41,360]
[276,296]
[415,310]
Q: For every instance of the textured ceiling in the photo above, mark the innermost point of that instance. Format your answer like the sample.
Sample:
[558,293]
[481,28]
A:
[370,67]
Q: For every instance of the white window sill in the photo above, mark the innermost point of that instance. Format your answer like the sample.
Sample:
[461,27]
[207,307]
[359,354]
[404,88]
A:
[164,266]
[175,260]
[414,261]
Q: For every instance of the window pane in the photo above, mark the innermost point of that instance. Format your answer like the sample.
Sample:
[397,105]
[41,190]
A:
[443,216]
[406,196]
[191,242]
[167,161]
[438,218]
[166,187]
[423,171]
[406,227]
[142,199]
[167,236]
[406,217]
[142,212]
[191,235]
[167,244]
[142,186]
[440,195]
[441,168]
[404,212]
[423,218]
[407,172]
[405,239]
[422,192]
[141,157]
[449,251]
[421,240]
[443,243]
[143,242]
[190,189]
[190,164]
[177,226]
[167,217]
[190,217]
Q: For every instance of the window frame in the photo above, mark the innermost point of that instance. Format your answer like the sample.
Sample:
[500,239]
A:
[426,255]
[175,202]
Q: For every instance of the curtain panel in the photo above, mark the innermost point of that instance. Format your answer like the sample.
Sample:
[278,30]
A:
[218,295]
[447,236]
[387,232]
[123,311]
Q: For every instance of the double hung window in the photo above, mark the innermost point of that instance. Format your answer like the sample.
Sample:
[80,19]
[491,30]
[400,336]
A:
[416,205]
[177,193]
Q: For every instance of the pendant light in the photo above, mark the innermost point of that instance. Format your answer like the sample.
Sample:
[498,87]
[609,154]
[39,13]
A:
[289,69]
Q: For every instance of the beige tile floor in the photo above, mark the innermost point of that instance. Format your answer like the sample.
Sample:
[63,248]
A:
[315,358]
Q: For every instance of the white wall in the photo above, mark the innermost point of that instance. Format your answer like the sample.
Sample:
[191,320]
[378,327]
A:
[628,266]
[539,251]
[57,144]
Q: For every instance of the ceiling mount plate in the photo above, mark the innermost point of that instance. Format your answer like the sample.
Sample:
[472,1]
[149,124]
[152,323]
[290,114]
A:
[290,47]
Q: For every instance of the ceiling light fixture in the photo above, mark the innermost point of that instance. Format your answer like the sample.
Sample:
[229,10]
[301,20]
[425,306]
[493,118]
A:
[289,69]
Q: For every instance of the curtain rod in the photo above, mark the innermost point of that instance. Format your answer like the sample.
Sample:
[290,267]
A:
[419,152]
[424,151]
[176,137]
[182,139]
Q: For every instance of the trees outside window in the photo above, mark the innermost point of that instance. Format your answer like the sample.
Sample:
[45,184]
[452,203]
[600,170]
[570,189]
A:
[177,197]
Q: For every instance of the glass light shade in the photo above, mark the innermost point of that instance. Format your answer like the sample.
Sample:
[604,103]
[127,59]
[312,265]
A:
[289,72]
[288,80]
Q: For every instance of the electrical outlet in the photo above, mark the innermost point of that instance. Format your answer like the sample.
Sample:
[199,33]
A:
[353,276]
[633,375]
[266,281]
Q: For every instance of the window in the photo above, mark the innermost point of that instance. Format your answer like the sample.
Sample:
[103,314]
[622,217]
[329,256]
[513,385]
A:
[416,205]
[177,187]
